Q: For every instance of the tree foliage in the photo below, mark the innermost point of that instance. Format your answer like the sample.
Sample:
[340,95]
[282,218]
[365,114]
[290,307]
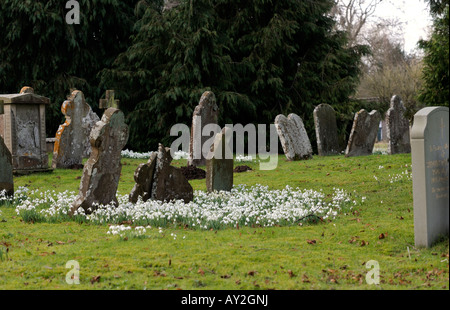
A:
[436,60]
[39,49]
[260,57]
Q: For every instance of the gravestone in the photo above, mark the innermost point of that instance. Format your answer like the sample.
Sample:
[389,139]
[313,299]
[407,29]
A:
[364,133]
[397,128]
[110,101]
[170,4]
[219,165]
[158,180]
[72,138]
[101,172]
[207,112]
[430,172]
[6,170]
[293,137]
[326,130]
[22,127]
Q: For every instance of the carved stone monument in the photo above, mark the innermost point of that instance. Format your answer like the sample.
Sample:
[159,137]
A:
[293,137]
[101,172]
[397,128]
[72,138]
[158,180]
[6,170]
[219,165]
[364,133]
[326,130]
[430,172]
[110,101]
[207,112]
[22,127]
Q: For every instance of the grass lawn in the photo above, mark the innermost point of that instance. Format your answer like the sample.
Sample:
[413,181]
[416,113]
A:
[330,254]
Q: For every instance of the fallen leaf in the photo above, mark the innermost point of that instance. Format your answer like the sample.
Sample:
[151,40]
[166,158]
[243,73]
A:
[305,279]
[291,273]
[226,276]
[200,271]
[251,273]
[381,236]
[311,241]
[95,279]
[60,242]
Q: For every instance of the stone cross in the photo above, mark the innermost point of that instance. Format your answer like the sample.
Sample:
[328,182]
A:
[6,170]
[109,101]
[293,137]
[207,112]
[397,128]
[158,180]
[72,138]
[430,173]
[364,133]
[101,172]
[219,164]
[326,130]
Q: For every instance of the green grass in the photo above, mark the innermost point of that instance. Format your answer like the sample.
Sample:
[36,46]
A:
[327,255]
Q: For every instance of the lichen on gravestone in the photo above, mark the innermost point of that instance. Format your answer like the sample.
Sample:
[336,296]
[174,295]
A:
[102,170]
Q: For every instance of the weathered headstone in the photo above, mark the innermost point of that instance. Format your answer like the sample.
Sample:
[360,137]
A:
[293,137]
[207,112]
[170,4]
[219,165]
[364,133]
[158,180]
[101,172]
[72,138]
[430,172]
[397,128]
[110,101]
[326,130]
[6,170]
[22,127]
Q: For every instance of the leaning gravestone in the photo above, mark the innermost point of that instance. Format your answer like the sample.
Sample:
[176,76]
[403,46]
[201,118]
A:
[207,112]
[22,127]
[101,172]
[397,128]
[219,165]
[72,138]
[158,180]
[6,170]
[430,172]
[364,133]
[293,137]
[326,130]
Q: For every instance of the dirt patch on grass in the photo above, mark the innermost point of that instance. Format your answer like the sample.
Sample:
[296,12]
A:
[193,173]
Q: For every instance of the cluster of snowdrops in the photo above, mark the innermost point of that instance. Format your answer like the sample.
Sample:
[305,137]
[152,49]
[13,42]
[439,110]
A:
[255,206]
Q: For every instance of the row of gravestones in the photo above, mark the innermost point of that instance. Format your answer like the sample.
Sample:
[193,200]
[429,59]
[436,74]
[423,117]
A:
[159,181]
[296,144]
[84,135]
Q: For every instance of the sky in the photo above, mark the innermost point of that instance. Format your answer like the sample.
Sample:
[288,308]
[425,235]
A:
[413,14]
